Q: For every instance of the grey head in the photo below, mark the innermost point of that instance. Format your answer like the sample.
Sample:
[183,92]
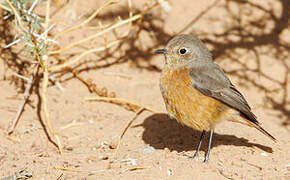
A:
[185,50]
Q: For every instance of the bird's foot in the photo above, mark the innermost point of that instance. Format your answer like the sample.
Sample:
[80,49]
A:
[195,156]
[205,160]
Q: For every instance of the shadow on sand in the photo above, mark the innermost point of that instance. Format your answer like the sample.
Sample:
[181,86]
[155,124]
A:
[162,132]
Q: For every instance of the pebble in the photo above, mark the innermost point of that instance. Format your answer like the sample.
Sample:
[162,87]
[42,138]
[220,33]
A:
[148,150]
[264,154]
[169,172]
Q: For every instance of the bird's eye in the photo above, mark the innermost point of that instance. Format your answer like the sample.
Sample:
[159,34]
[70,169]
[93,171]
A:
[182,51]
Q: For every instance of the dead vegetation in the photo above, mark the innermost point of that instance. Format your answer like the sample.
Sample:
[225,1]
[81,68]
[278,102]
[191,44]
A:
[49,61]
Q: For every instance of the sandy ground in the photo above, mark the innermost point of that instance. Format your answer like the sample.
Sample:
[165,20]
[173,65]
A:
[155,143]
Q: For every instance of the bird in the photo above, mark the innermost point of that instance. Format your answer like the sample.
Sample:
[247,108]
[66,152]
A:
[197,92]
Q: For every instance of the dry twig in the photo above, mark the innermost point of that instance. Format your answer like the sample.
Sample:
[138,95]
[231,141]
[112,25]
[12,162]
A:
[92,172]
[125,130]
[92,87]
[16,15]
[76,60]
[5,8]
[85,22]
[45,83]
[138,109]
[118,24]
[72,124]
[121,102]
[27,94]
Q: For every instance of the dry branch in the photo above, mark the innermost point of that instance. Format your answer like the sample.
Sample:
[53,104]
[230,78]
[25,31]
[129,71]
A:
[121,102]
[45,83]
[36,41]
[42,61]
[118,24]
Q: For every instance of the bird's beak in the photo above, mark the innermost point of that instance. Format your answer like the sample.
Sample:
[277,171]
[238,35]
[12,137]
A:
[160,51]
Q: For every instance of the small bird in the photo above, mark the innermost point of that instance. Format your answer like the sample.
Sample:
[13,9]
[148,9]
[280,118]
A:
[196,91]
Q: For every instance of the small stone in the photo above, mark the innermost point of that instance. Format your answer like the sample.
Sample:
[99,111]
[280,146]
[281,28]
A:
[103,157]
[69,148]
[113,145]
[264,154]
[169,172]
[148,150]
[131,161]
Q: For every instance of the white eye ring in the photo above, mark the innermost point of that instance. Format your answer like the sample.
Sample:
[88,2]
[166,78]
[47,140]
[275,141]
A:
[182,51]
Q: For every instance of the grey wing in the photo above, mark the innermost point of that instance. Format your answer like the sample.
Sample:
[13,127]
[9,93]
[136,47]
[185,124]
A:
[212,81]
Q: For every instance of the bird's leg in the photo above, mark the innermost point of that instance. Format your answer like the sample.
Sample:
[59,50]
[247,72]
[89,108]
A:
[196,154]
[209,146]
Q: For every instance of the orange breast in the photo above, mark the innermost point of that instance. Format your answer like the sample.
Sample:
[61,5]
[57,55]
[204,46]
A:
[188,105]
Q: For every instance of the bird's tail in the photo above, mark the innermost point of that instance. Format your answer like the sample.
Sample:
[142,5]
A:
[262,130]
[255,125]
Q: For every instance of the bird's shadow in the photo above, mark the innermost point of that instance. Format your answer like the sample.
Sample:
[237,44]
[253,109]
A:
[163,132]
